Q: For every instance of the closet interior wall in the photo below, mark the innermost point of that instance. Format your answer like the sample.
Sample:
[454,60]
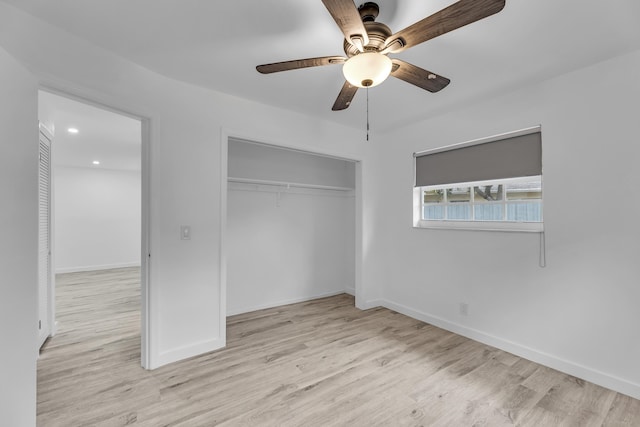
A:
[290,226]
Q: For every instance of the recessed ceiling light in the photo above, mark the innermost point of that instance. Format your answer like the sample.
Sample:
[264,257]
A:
[72,130]
[96,162]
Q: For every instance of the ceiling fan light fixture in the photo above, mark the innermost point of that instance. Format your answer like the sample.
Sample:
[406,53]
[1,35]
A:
[367,69]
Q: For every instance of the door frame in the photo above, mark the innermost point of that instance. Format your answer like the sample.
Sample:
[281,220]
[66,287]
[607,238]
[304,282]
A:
[145,217]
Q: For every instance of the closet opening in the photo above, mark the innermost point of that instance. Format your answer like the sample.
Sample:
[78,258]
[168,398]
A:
[291,226]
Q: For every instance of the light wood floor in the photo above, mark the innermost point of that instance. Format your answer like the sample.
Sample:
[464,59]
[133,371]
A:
[320,363]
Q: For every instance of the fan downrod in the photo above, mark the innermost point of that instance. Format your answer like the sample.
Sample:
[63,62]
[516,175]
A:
[369,11]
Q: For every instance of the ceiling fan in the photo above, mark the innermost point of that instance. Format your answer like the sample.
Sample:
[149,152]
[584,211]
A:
[367,44]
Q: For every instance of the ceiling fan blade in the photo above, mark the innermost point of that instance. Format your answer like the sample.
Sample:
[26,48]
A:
[346,15]
[450,18]
[300,63]
[345,96]
[418,76]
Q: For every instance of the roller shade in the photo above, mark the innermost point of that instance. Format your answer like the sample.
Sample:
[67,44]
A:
[503,158]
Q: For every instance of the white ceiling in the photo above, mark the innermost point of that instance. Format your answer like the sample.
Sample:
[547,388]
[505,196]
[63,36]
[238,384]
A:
[217,45]
[112,139]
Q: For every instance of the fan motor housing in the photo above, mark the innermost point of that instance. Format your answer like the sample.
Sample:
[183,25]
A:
[378,34]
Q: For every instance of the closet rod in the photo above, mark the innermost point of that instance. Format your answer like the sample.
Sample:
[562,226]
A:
[286,184]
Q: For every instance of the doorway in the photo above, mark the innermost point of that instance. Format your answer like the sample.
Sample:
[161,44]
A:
[98,215]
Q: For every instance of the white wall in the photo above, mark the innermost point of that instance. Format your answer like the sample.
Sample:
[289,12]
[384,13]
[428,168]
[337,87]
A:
[187,124]
[18,245]
[579,314]
[97,218]
[294,251]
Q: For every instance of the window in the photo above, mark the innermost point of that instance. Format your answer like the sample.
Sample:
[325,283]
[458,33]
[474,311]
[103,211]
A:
[509,200]
[506,193]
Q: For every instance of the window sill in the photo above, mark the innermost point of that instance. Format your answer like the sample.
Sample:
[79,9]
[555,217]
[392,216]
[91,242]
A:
[522,227]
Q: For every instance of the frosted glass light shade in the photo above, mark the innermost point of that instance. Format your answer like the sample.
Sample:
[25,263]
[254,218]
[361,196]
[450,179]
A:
[367,69]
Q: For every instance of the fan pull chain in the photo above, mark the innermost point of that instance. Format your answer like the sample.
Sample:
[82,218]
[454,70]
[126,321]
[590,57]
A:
[367,113]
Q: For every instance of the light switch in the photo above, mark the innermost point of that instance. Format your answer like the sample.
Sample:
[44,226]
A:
[185,232]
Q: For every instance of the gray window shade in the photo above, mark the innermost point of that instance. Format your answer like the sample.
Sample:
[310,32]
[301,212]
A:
[504,158]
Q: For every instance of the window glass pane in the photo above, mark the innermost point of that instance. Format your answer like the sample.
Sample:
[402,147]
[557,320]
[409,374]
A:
[527,190]
[433,196]
[524,212]
[459,199]
[460,211]
[488,212]
[433,212]
[487,193]
[513,200]
[459,194]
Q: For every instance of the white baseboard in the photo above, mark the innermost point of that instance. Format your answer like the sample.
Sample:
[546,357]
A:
[350,291]
[592,375]
[234,311]
[97,267]
[366,305]
[185,352]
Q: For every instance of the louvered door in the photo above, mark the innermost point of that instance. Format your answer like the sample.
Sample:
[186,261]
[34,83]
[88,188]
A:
[44,238]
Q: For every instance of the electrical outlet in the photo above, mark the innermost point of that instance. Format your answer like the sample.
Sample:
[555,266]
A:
[464,308]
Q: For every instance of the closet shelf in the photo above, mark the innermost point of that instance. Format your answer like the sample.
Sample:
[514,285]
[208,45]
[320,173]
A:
[286,184]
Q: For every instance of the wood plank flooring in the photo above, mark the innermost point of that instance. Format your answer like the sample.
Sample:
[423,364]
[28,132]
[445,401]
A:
[319,363]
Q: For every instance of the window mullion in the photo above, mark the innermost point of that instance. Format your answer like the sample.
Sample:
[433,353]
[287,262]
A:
[472,200]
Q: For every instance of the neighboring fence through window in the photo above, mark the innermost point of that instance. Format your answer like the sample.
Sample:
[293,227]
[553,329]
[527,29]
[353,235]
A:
[514,200]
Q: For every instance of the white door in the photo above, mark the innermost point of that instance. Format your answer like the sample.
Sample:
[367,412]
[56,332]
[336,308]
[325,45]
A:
[44,238]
